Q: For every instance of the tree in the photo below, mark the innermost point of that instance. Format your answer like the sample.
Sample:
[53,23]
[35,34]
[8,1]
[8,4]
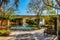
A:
[55,5]
[9,14]
[52,3]
[36,7]
[8,9]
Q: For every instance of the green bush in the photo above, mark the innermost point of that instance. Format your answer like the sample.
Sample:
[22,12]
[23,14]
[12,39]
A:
[4,32]
[30,22]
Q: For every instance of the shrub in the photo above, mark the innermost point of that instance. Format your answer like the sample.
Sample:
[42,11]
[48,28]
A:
[30,22]
[4,32]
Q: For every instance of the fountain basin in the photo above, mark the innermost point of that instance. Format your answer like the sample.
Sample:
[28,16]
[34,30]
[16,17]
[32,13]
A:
[22,28]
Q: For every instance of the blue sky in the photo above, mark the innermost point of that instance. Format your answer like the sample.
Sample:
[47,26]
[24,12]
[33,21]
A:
[22,7]
[23,4]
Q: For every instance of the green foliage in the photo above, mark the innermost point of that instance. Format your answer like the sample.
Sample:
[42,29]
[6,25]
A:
[52,12]
[30,22]
[52,22]
[4,32]
[50,18]
[49,3]
[47,18]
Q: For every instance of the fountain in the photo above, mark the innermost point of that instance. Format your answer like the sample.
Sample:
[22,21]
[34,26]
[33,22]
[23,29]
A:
[24,25]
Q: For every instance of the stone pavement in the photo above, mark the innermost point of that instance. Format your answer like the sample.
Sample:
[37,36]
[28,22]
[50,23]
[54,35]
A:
[28,35]
[6,38]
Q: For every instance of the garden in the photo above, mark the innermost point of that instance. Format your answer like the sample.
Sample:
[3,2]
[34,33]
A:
[48,9]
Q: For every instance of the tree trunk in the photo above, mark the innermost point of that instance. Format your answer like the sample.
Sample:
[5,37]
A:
[58,2]
[38,20]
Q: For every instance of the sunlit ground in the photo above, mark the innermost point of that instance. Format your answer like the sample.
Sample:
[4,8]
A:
[29,35]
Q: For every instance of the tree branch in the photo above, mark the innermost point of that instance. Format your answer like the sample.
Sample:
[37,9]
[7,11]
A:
[50,5]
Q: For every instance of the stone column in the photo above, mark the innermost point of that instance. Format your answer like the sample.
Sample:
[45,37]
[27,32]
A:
[24,21]
[0,22]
